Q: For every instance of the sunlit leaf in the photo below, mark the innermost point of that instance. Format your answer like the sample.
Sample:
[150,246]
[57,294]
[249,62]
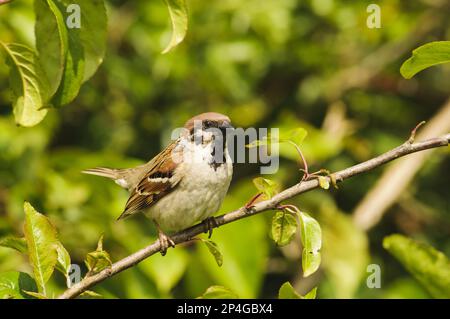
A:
[63,264]
[284,226]
[429,266]
[425,56]
[218,292]
[29,84]
[37,295]
[266,186]
[311,236]
[13,284]
[19,244]
[99,259]
[296,135]
[214,250]
[179,20]
[42,244]
[288,292]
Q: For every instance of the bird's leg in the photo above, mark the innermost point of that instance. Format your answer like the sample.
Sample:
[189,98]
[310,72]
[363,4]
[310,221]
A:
[164,240]
[210,223]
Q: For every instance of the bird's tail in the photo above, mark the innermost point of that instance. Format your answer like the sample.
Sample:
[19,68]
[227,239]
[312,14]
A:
[104,172]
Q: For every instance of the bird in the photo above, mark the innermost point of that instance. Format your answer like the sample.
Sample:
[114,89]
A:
[185,183]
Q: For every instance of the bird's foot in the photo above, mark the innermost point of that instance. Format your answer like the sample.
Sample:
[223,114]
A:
[164,241]
[210,223]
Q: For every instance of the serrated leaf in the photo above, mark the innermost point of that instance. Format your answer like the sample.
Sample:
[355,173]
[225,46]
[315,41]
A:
[311,236]
[429,266]
[14,283]
[214,250]
[425,56]
[99,259]
[324,182]
[266,186]
[218,292]
[284,226]
[29,84]
[179,20]
[19,244]
[288,292]
[42,244]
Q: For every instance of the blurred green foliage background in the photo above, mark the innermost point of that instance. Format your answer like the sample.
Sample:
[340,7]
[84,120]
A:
[271,63]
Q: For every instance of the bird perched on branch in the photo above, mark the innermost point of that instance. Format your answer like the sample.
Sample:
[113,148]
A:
[183,184]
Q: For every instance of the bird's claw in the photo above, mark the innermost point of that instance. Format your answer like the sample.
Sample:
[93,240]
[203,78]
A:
[210,223]
[165,242]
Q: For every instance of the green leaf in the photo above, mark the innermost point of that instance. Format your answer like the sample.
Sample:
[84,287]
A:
[425,56]
[295,136]
[288,292]
[13,284]
[64,262]
[218,292]
[311,236]
[179,19]
[266,186]
[61,49]
[70,55]
[19,244]
[99,259]
[42,244]
[36,295]
[311,294]
[429,266]
[324,182]
[29,84]
[89,294]
[284,226]
[214,250]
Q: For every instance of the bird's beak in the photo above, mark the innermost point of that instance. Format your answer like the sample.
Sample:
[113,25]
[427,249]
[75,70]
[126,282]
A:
[225,125]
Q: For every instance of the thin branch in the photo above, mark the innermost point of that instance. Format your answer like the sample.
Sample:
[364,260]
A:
[302,187]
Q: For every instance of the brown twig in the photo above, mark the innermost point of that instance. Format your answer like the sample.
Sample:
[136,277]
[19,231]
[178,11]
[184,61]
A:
[302,187]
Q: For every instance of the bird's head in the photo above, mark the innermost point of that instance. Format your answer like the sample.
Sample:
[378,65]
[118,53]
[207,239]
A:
[208,126]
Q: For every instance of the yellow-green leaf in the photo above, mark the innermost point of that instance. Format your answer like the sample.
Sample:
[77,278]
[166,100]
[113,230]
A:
[214,250]
[179,20]
[430,267]
[19,244]
[284,226]
[266,186]
[63,264]
[29,84]
[288,292]
[42,245]
[311,236]
[425,56]
[14,283]
[89,294]
[99,259]
[218,292]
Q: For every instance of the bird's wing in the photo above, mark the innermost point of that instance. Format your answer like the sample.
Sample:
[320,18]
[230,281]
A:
[159,180]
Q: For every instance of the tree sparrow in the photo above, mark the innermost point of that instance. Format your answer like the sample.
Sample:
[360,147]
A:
[185,183]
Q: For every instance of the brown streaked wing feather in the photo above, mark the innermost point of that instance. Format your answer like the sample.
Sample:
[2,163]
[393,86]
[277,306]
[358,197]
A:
[152,186]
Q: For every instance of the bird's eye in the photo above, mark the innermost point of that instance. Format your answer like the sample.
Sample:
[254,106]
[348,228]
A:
[207,123]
